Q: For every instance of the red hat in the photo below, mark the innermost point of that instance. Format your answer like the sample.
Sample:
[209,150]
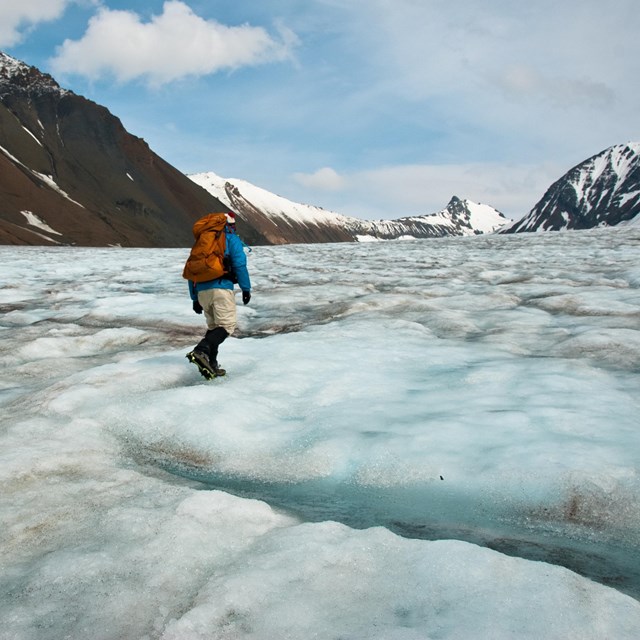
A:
[231,218]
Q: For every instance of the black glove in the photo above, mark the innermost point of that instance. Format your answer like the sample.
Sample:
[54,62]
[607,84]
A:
[246,296]
[197,307]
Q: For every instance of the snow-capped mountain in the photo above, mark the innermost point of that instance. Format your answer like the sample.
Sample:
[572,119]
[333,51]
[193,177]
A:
[275,218]
[279,219]
[458,218]
[71,174]
[601,191]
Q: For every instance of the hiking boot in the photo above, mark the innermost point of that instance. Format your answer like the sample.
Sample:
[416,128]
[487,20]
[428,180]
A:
[217,369]
[207,368]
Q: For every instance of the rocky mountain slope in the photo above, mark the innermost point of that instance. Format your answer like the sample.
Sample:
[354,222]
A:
[71,174]
[279,219]
[601,191]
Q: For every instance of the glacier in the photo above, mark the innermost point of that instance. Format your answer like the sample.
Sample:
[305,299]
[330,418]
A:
[418,439]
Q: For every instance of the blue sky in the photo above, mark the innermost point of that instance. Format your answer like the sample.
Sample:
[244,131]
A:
[371,108]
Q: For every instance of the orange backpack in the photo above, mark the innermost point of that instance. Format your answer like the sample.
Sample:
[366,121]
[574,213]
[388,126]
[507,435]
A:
[206,260]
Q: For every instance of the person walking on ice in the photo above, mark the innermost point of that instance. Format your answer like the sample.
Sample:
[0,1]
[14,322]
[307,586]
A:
[217,261]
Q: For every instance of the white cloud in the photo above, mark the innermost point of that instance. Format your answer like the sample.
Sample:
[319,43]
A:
[325,179]
[16,16]
[432,49]
[172,45]
[404,190]
[551,73]
[501,101]
[423,189]
[525,82]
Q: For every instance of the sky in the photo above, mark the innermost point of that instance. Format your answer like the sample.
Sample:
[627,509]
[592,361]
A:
[370,108]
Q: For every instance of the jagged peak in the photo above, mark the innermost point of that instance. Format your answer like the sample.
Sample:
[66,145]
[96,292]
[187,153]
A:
[18,74]
[10,66]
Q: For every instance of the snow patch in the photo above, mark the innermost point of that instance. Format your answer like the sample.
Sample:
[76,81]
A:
[36,221]
[49,181]
[627,197]
[31,134]
[12,157]
[485,218]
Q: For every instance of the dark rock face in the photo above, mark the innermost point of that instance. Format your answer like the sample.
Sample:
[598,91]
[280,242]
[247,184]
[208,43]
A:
[601,191]
[70,165]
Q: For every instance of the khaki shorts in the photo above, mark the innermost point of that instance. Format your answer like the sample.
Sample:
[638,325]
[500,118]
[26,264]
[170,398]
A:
[219,306]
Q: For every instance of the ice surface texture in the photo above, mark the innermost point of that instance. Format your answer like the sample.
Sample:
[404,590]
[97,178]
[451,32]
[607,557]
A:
[484,389]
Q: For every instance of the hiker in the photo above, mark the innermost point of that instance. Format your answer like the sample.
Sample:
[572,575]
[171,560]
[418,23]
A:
[221,248]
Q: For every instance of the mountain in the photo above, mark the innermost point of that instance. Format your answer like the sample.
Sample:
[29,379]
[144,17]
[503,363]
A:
[280,220]
[601,191]
[71,174]
[277,219]
[458,218]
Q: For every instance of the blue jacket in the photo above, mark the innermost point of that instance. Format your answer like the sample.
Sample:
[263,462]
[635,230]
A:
[235,250]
